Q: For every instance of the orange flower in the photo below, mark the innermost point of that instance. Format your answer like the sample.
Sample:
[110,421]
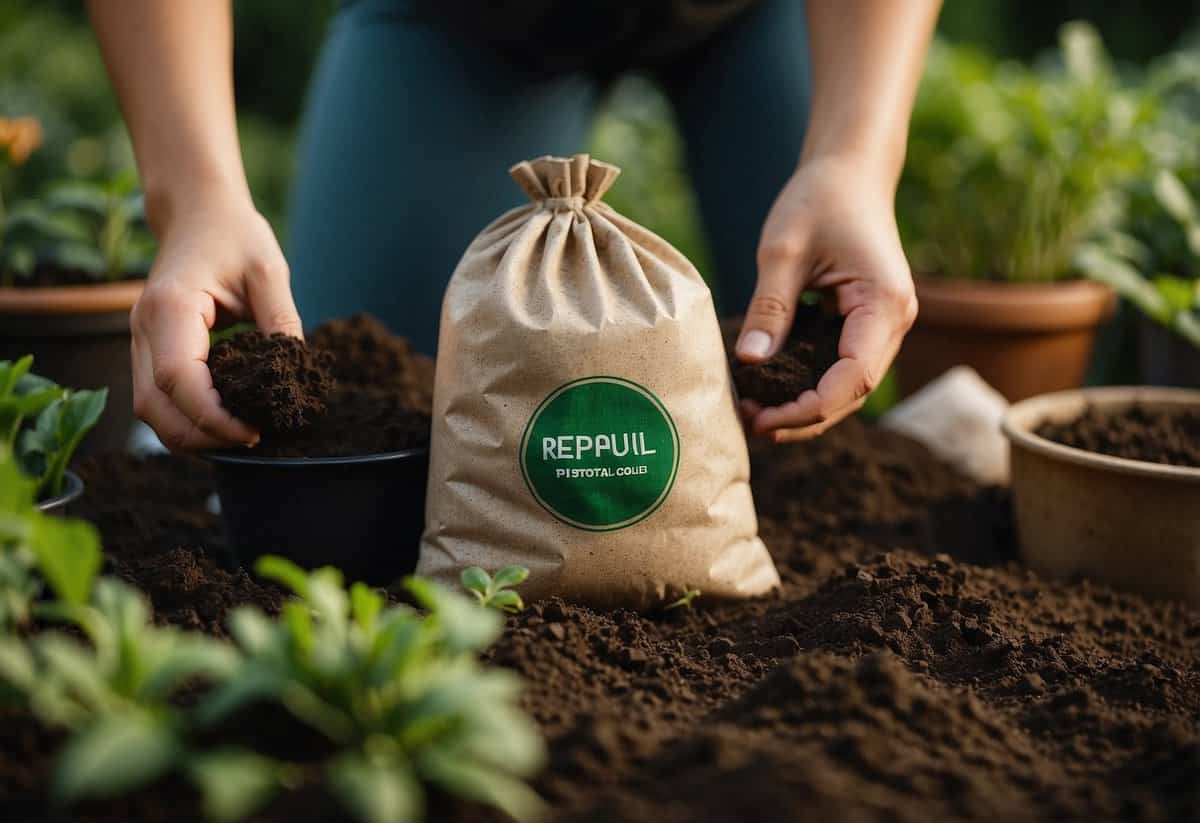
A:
[20,135]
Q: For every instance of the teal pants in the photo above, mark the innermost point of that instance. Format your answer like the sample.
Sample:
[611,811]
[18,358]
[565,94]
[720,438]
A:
[410,131]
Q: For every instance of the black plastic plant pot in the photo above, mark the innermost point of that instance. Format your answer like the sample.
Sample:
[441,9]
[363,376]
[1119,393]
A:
[363,515]
[59,505]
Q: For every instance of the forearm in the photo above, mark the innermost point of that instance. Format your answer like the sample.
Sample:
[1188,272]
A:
[867,57]
[171,63]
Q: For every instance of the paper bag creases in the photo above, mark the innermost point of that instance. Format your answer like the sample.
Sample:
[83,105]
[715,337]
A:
[583,423]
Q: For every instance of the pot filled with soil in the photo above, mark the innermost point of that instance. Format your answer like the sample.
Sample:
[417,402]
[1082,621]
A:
[1023,339]
[1106,484]
[339,475]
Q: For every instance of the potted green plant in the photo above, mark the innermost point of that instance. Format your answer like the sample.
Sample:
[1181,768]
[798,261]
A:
[41,425]
[1155,264]
[1010,169]
[72,264]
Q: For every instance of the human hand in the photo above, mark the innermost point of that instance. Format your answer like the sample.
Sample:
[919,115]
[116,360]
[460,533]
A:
[216,252]
[832,227]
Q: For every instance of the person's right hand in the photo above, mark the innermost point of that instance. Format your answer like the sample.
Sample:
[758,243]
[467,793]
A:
[215,252]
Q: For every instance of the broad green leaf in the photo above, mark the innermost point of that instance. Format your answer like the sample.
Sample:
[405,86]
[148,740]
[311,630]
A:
[377,792]
[57,433]
[248,685]
[507,600]
[491,786]
[464,626]
[234,783]
[365,604]
[84,197]
[76,667]
[1176,292]
[77,256]
[11,371]
[115,754]
[284,572]
[329,600]
[1174,197]
[188,656]
[252,630]
[68,555]
[297,619]
[16,664]
[510,576]
[1126,280]
[16,491]
[476,580]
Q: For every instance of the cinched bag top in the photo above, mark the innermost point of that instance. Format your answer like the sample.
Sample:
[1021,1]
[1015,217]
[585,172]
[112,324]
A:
[564,182]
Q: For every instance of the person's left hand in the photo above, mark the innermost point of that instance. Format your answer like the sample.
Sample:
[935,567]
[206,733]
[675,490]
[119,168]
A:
[832,227]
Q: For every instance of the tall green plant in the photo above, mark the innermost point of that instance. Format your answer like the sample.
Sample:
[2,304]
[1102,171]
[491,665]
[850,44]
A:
[1010,168]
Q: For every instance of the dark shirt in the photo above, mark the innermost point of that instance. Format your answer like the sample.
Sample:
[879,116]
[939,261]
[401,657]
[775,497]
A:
[600,35]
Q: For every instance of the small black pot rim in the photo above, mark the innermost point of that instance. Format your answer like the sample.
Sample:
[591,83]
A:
[252,460]
[72,491]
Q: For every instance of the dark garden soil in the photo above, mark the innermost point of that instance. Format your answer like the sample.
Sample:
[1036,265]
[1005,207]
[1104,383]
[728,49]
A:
[353,389]
[909,668]
[811,348]
[1135,433]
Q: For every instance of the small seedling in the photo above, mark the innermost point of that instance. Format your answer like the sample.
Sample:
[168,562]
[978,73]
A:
[684,602]
[496,591]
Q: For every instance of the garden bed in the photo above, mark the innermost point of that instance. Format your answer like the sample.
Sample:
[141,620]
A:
[909,668]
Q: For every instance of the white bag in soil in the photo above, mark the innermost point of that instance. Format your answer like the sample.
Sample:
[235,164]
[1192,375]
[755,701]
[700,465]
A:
[583,423]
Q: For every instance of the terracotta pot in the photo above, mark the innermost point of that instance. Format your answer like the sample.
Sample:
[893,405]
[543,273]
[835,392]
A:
[1023,339]
[1130,523]
[79,337]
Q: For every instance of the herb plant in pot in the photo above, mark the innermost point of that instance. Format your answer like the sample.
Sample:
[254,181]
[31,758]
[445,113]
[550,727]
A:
[72,264]
[338,477]
[1010,169]
[42,424]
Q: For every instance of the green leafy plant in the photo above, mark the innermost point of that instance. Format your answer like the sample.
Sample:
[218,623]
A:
[36,548]
[1010,168]
[43,423]
[684,602]
[1155,261]
[113,692]
[94,228]
[496,591]
[401,694]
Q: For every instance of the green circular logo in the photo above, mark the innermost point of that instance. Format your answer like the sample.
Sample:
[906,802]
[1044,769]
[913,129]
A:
[600,453]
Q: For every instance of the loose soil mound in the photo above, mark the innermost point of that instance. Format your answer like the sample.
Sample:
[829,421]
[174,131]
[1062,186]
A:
[810,350]
[909,669]
[1135,433]
[352,390]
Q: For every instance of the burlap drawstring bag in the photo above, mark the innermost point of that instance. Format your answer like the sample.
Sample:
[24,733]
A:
[583,423]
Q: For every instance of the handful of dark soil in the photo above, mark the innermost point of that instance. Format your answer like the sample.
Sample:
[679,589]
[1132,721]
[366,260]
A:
[354,389]
[1135,433]
[809,352]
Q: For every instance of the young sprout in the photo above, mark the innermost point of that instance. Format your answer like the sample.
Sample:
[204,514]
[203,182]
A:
[495,591]
[684,602]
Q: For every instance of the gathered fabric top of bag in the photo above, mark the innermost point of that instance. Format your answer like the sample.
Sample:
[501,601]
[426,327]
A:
[564,182]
